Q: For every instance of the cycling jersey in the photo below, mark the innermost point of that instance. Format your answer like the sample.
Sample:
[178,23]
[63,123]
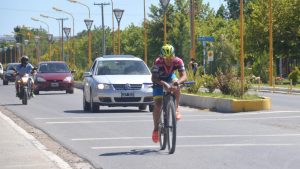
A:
[164,71]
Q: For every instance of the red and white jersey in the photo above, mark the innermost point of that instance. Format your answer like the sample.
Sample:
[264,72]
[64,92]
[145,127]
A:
[165,71]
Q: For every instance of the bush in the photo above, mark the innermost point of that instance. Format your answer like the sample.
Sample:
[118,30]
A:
[294,76]
[209,82]
[194,88]
[229,84]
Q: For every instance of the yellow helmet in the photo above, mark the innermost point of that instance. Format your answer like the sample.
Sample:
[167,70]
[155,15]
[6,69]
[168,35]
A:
[167,51]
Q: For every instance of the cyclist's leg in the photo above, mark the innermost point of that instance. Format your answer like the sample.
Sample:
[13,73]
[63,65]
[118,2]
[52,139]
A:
[177,95]
[157,96]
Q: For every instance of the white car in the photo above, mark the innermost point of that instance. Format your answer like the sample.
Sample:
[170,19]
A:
[117,80]
[1,71]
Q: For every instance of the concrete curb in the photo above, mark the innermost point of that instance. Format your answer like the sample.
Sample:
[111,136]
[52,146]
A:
[218,104]
[224,105]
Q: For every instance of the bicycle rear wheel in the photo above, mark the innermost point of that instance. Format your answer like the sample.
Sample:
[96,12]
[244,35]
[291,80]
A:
[171,124]
[162,131]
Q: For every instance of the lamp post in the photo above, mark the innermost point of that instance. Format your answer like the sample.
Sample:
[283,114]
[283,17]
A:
[271,43]
[5,49]
[63,11]
[88,23]
[1,49]
[18,51]
[25,43]
[113,29]
[36,40]
[11,48]
[50,39]
[34,19]
[103,30]
[164,4]
[242,44]
[145,35]
[118,15]
[67,32]
[192,25]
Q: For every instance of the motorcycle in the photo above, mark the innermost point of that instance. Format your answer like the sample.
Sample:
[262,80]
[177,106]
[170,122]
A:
[25,88]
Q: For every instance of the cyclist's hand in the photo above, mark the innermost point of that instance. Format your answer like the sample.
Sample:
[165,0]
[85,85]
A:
[176,83]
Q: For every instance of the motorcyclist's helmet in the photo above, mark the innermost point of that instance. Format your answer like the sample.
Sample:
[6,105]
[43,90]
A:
[24,60]
[167,51]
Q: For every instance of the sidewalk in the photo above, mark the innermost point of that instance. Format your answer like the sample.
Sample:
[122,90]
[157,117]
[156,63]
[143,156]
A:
[20,150]
[276,89]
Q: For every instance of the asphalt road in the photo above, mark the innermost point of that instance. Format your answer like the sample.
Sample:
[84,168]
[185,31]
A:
[120,138]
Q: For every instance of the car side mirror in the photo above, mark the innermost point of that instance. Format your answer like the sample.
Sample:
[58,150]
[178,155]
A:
[87,74]
[73,71]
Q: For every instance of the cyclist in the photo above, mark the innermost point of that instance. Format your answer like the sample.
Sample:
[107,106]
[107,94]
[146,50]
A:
[24,68]
[163,76]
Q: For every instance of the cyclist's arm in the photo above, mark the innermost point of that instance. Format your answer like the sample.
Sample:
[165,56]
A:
[157,80]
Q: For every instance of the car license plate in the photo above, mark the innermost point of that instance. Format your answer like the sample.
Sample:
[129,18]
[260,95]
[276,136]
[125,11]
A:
[54,84]
[127,94]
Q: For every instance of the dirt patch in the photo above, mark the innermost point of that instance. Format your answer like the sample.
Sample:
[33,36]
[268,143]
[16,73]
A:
[71,158]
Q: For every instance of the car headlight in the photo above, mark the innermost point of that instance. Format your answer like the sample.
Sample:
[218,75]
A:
[68,79]
[102,86]
[40,79]
[148,85]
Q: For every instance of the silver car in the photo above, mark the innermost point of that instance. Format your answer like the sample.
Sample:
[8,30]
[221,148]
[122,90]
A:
[1,71]
[117,80]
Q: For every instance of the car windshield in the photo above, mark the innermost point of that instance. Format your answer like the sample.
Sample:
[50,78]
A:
[12,67]
[53,68]
[122,67]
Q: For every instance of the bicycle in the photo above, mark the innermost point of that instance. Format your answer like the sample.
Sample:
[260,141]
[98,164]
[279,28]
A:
[167,122]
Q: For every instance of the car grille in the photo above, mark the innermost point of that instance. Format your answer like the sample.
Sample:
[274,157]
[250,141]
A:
[127,99]
[127,86]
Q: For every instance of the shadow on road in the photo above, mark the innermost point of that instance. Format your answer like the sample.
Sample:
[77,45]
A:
[108,111]
[131,152]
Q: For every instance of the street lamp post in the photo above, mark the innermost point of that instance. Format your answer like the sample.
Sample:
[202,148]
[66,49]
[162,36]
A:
[113,29]
[242,44]
[145,35]
[67,33]
[5,49]
[11,48]
[50,39]
[271,43]
[118,15]
[164,4]
[1,49]
[36,40]
[25,43]
[18,51]
[34,19]
[63,11]
[103,30]
[88,23]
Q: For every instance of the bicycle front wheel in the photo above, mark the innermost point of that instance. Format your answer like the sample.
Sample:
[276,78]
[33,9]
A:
[171,126]
[162,131]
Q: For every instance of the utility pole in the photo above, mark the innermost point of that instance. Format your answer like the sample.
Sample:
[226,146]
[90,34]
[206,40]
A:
[103,31]
[62,37]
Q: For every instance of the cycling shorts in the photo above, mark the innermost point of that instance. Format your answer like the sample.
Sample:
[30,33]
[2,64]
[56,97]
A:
[158,90]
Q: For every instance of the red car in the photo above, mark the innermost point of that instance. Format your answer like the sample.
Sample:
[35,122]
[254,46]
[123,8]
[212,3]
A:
[53,76]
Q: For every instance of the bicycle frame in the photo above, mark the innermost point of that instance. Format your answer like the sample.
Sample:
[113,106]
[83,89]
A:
[167,123]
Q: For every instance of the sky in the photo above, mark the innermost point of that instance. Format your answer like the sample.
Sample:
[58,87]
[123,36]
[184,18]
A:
[19,12]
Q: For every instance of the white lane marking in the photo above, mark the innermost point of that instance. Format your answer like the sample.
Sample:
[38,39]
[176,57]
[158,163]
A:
[197,145]
[53,157]
[185,115]
[201,136]
[186,120]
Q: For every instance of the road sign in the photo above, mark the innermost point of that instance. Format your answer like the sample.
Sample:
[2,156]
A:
[210,55]
[206,38]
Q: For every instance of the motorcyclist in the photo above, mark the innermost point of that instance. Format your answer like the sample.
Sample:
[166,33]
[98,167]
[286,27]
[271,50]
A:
[24,68]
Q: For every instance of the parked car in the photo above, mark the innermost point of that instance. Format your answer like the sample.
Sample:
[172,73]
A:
[117,80]
[9,73]
[53,76]
[1,71]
